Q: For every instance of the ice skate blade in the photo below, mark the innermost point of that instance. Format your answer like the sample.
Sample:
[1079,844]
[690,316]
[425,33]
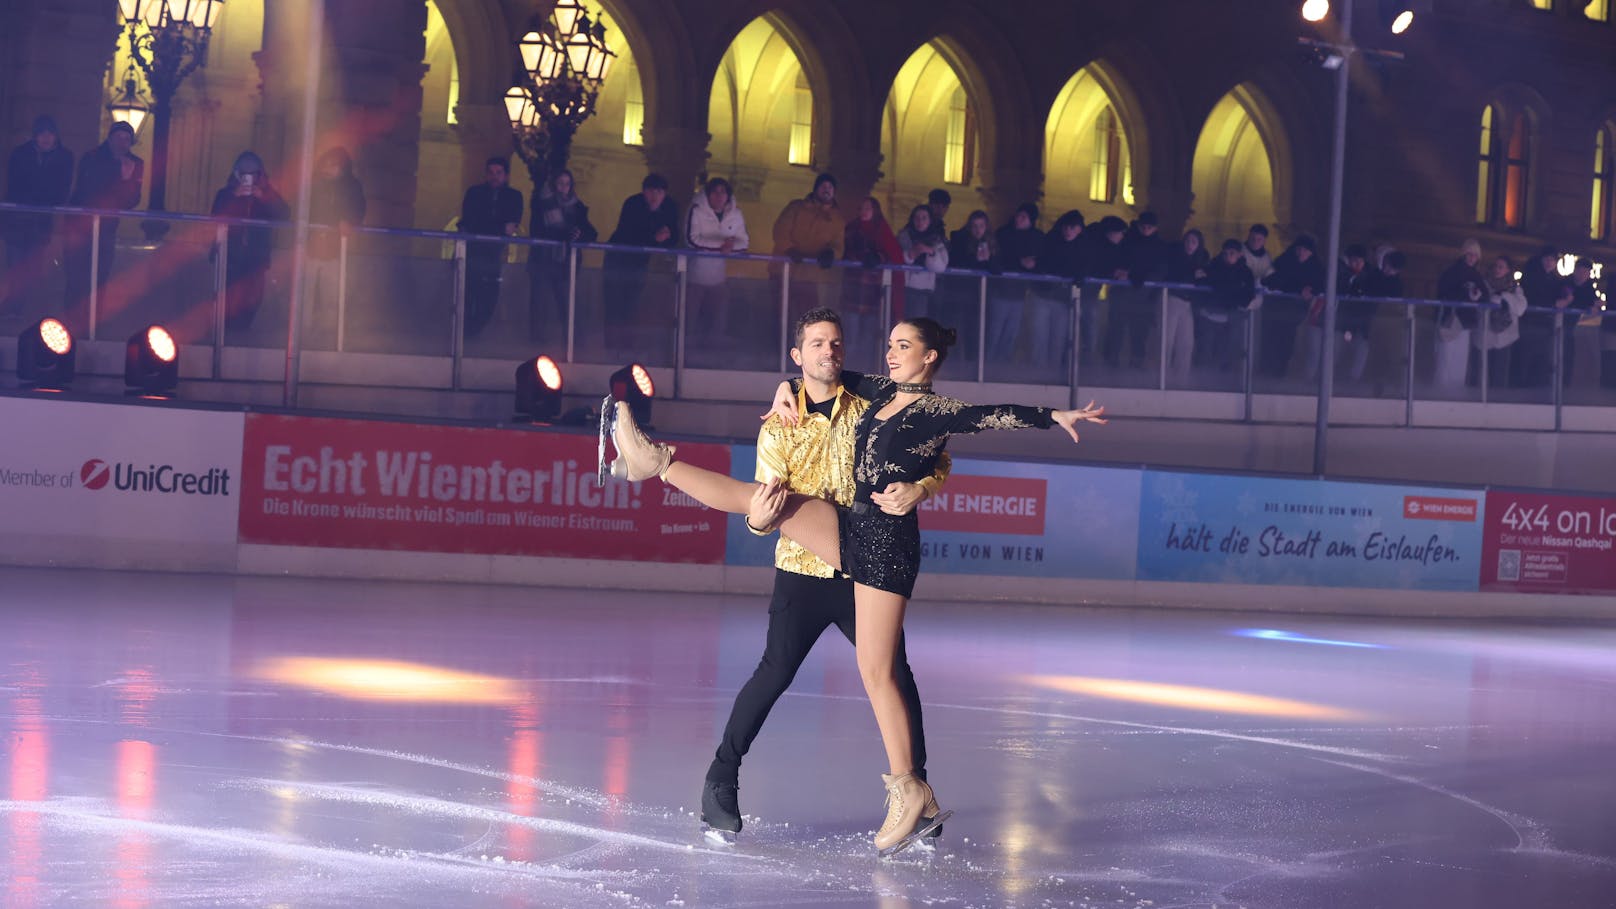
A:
[926,826]
[602,468]
[718,837]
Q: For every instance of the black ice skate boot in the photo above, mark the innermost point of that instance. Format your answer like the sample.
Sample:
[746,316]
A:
[720,812]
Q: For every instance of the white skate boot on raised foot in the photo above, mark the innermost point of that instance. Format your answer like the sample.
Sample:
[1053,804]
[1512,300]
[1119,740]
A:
[911,813]
[638,458]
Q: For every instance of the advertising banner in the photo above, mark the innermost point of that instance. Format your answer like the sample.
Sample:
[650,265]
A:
[108,484]
[1258,530]
[1537,543]
[1005,518]
[370,485]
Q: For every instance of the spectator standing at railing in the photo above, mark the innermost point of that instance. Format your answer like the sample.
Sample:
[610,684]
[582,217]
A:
[1256,253]
[924,246]
[1066,255]
[109,178]
[971,248]
[39,172]
[1298,276]
[338,205]
[1584,301]
[558,215]
[1108,261]
[1222,312]
[1133,309]
[1186,264]
[1460,282]
[1500,327]
[868,243]
[1353,319]
[1533,363]
[939,201]
[810,229]
[1021,244]
[247,195]
[714,224]
[647,218]
[490,209]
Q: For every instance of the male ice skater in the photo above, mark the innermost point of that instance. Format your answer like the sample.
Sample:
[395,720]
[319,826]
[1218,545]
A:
[814,458]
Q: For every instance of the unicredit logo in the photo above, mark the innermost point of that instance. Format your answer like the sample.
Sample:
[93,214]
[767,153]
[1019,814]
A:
[162,478]
[94,474]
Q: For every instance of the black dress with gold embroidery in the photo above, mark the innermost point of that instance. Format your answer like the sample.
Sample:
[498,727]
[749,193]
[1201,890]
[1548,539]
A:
[881,550]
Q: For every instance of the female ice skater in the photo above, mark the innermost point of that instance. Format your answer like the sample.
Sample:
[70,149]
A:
[899,439]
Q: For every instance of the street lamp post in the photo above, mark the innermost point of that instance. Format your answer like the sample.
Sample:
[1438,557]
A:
[564,63]
[173,44]
[1339,57]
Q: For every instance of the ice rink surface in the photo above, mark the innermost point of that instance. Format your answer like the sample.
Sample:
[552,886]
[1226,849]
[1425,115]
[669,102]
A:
[207,741]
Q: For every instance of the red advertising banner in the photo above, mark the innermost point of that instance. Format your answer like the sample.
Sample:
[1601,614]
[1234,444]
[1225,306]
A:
[1549,544]
[980,504]
[363,485]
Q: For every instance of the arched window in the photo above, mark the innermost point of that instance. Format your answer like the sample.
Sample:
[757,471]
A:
[1599,215]
[1107,149]
[1515,168]
[1543,4]
[960,145]
[1597,10]
[1485,168]
[801,150]
[634,112]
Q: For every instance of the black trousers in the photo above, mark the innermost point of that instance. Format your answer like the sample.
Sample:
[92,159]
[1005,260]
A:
[802,608]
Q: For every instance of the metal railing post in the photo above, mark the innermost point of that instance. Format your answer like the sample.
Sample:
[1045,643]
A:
[1559,367]
[885,322]
[1162,330]
[572,302]
[342,292]
[1076,334]
[1481,326]
[680,312]
[95,272]
[785,314]
[982,333]
[1408,364]
[458,342]
[1248,357]
[221,295]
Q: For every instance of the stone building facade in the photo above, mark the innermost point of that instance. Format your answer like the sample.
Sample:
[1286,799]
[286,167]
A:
[1498,122]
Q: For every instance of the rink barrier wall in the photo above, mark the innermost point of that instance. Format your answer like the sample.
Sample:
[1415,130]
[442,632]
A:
[169,488]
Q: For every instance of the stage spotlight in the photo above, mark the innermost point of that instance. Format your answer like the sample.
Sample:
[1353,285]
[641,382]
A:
[151,364]
[1402,21]
[633,384]
[538,390]
[46,355]
[1315,10]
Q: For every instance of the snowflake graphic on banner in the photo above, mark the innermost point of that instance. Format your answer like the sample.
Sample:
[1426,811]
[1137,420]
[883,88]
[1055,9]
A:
[1178,501]
[1246,504]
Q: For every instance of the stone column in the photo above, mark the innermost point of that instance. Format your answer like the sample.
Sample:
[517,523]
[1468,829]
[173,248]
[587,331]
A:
[56,55]
[857,170]
[680,154]
[1004,189]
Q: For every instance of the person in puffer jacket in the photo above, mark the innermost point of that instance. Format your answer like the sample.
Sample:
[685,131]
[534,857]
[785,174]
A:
[714,224]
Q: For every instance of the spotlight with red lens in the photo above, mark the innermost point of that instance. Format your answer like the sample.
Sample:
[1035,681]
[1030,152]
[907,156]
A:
[46,356]
[151,364]
[538,390]
[633,384]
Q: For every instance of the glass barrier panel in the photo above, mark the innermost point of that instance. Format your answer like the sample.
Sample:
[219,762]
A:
[732,314]
[1444,353]
[170,282]
[1205,341]
[516,301]
[258,286]
[1371,350]
[398,297]
[32,282]
[1521,358]
[1028,331]
[626,306]
[1593,376]
[954,301]
[1280,328]
[1121,346]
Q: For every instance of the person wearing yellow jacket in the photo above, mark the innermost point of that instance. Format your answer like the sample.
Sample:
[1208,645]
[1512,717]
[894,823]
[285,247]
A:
[810,228]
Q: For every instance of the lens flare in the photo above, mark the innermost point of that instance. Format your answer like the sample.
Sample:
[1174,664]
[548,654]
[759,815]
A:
[388,680]
[1211,700]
